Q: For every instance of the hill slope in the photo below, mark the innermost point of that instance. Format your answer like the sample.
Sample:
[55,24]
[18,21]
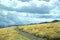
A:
[51,31]
[11,34]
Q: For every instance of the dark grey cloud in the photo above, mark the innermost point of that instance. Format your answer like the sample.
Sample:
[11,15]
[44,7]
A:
[42,10]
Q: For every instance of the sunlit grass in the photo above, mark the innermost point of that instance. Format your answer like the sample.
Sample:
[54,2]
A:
[48,30]
[11,34]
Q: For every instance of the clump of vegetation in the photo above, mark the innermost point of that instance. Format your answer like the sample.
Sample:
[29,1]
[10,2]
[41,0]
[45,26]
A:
[51,31]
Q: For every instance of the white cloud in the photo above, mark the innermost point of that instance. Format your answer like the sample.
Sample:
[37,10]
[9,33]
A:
[34,6]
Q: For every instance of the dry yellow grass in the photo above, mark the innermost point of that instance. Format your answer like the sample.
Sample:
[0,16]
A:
[48,30]
[10,34]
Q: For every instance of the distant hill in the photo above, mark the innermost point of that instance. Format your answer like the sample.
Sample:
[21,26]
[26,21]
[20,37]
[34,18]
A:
[50,22]
[56,21]
[3,26]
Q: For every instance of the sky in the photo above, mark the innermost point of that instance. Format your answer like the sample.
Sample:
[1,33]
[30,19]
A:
[25,0]
[28,11]
[31,0]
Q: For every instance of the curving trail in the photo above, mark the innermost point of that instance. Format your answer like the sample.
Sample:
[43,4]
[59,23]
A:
[31,37]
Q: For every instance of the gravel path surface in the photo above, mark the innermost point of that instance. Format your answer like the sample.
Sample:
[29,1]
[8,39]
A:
[31,37]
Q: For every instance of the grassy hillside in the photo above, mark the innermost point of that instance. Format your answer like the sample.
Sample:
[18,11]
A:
[51,31]
[11,34]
